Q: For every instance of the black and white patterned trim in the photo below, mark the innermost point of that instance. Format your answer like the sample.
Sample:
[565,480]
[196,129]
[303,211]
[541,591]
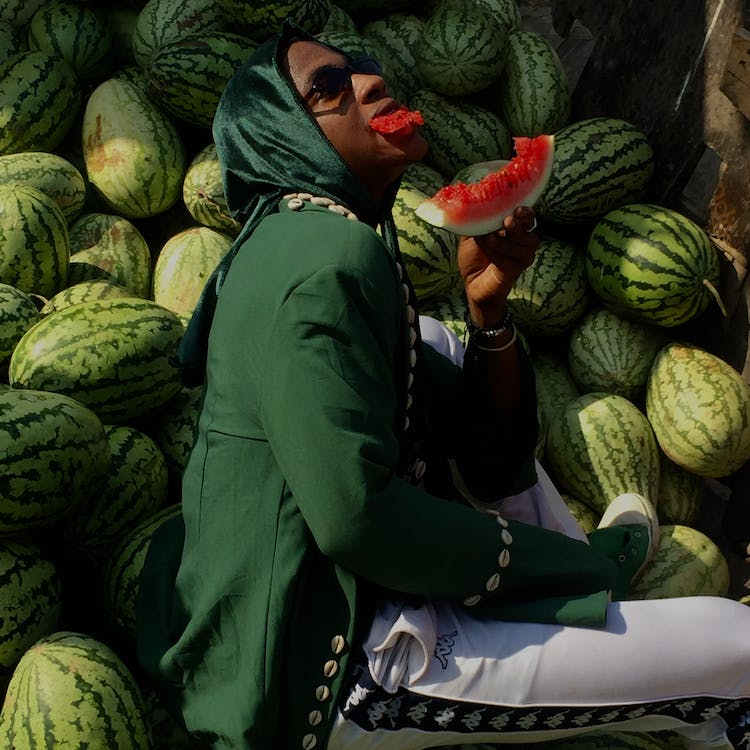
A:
[372,708]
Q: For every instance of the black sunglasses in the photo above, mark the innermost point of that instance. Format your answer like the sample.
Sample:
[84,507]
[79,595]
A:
[332,81]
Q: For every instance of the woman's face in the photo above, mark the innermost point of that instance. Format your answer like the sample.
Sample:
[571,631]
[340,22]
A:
[345,116]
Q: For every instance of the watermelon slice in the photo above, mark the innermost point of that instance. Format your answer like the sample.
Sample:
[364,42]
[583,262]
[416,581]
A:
[473,208]
[398,119]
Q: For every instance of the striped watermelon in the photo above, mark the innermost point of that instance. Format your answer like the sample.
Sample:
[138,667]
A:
[203,192]
[699,407]
[338,20]
[30,600]
[587,518]
[133,74]
[552,293]
[34,241]
[600,446]
[54,456]
[459,133]
[39,100]
[71,690]
[163,22]
[652,264]
[607,352]
[600,163]
[133,154]
[555,386]
[461,49]
[687,563]
[123,569]
[136,488]
[506,13]
[18,312]
[183,266]
[173,429]
[533,93]
[18,13]
[85,291]
[12,41]
[450,311]
[261,18]
[430,254]
[186,78]
[424,178]
[116,356]
[397,35]
[110,248]
[55,176]
[76,33]
[680,493]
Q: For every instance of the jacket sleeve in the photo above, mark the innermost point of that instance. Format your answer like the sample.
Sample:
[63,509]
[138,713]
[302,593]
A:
[328,409]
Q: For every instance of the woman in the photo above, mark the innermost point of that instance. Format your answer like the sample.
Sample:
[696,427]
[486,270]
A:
[350,574]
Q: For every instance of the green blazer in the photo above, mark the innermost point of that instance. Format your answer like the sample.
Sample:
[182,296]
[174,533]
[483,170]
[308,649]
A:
[297,515]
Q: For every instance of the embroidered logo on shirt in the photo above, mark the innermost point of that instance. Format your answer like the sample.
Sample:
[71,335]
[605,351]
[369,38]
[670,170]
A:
[444,647]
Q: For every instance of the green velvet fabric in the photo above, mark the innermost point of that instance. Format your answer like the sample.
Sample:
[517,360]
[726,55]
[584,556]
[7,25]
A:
[268,146]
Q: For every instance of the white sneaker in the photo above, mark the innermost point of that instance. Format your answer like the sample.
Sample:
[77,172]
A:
[633,508]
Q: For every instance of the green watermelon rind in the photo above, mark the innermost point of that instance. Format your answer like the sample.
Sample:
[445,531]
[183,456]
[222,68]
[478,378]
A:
[653,264]
[64,670]
[687,563]
[552,294]
[534,96]
[699,407]
[600,163]
[116,356]
[600,446]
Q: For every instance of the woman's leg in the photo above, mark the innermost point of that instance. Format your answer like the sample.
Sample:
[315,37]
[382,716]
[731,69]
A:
[678,664]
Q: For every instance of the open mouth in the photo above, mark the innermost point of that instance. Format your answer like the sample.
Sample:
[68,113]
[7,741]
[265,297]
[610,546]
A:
[395,119]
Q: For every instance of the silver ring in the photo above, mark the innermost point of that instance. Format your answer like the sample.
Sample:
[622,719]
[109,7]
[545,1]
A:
[533,226]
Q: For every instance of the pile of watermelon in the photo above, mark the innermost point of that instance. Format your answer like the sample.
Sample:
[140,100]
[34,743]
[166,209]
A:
[112,215]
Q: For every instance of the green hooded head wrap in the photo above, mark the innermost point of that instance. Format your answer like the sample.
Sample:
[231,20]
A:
[269,145]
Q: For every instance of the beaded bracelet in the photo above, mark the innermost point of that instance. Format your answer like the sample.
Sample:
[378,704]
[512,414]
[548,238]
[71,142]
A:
[476,331]
[505,346]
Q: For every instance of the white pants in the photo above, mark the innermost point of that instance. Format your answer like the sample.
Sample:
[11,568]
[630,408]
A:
[432,675]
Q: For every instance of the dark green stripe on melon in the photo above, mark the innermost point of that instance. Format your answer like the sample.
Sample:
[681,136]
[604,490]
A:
[136,487]
[123,570]
[699,407]
[34,241]
[75,33]
[54,456]
[459,133]
[55,176]
[39,100]
[70,689]
[600,163]
[552,294]
[653,264]
[30,600]
[117,356]
[187,77]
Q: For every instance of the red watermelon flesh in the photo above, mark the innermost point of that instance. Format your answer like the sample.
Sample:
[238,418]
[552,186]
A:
[479,207]
[396,120]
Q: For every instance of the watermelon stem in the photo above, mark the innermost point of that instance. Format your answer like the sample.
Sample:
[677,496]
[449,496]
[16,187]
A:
[714,291]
